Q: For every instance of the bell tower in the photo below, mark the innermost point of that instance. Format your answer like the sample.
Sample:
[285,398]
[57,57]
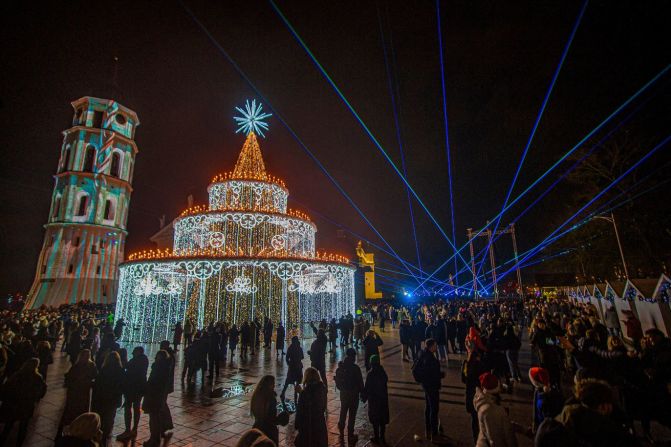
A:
[86,229]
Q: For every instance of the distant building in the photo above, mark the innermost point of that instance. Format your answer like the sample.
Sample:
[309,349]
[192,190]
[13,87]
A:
[86,230]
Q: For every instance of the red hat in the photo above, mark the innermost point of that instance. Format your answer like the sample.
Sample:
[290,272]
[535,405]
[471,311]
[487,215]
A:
[539,377]
[489,382]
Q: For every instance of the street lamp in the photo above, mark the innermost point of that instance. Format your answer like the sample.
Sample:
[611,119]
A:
[611,219]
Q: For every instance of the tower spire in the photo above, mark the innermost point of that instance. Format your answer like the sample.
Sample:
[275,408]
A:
[250,161]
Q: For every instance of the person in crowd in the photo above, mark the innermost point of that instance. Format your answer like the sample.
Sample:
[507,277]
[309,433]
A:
[317,354]
[118,332]
[267,333]
[78,383]
[75,343]
[451,331]
[280,336]
[213,350]
[371,347]
[548,402]
[633,329]
[294,359]
[233,337]
[177,335]
[405,335]
[349,382]
[189,329]
[45,357]
[496,428]
[245,338]
[513,344]
[471,370]
[546,343]
[375,393]
[84,431]
[612,321]
[107,392]
[426,371]
[462,332]
[263,408]
[156,395]
[95,341]
[310,422]
[418,336]
[134,385]
[332,331]
[166,416]
[19,396]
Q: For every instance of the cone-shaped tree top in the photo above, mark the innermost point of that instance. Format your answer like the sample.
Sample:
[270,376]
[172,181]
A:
[250,162]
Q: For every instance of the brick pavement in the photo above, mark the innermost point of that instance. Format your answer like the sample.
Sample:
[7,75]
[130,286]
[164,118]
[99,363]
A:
[201,421]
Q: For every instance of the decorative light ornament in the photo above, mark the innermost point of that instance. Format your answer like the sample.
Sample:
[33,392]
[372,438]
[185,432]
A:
[242,284]
[252,119]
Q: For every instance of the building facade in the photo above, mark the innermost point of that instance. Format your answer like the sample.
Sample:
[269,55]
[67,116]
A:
[86,230]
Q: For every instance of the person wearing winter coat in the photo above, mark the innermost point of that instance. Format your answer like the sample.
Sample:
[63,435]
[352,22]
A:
[156,396]
[496,430]
[107,393]
[84,431]
[350,384]
[267,333]
[45,356]
[177,336]
[317,354]
[548,402]
[233,336]
[294,360]
[405,334]
[332,330]
[135,383]
[310,408]
[78,383]
[263,408]
[471,370]
[280,335]
[426,371]
[371,346]
[19,396]
[418,336]
[375,393]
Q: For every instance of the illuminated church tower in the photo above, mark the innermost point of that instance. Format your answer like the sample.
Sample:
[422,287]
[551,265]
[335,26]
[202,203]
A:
[86,230]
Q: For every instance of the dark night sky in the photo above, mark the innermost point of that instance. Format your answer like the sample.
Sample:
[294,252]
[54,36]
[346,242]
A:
[500,57]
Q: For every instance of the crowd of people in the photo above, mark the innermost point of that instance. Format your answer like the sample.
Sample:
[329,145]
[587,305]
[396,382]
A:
[595,381]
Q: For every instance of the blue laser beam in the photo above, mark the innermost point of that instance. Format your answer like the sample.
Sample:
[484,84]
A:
[364,126]
[538,120]
[562,158]
[286,125]
[447,138]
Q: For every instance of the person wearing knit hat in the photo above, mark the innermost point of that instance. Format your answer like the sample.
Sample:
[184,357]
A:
[495,426]
[548,402]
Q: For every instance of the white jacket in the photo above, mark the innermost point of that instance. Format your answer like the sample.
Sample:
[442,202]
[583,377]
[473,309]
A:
[495,427]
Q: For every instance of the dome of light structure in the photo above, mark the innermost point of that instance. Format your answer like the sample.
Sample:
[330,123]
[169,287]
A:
[242,256]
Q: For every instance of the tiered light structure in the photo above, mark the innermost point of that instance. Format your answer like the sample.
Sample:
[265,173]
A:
[242,256]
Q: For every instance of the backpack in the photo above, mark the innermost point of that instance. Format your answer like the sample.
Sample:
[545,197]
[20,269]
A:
[418,370]
[341,378]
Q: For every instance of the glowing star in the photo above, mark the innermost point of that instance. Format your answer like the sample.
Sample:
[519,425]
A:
[252,119]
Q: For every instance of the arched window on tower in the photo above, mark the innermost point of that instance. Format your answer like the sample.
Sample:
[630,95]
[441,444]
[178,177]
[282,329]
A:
[109,210]
[89,159]
[115,168]
[83,204]
[66,159]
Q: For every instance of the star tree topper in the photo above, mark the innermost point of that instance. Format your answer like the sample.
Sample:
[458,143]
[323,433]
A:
[252,119]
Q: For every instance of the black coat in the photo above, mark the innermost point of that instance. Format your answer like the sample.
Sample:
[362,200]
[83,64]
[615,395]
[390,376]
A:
[108,388]
[318,352]
[136,376]
[375,392]
[279,338]
[310,422]
[405,333]
[294,359]
[430,367]
[20,395]
[371,346]
[156,393]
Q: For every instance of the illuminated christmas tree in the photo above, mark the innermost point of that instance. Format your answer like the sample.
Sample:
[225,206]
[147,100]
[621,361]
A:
[244,255]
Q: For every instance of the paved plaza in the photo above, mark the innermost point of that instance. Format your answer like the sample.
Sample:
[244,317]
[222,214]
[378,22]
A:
[201,421]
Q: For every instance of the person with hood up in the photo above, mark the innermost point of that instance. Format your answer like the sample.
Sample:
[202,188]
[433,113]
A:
[317,354]
[294,359]
[496,430]
[375,393]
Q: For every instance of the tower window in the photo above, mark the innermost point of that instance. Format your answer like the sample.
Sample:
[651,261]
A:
[70,268]
[83,204]
[120,119]
[77,240]
[66,159]
[116,165]
[104,289]
[57,207]
[109,210]
[94,249]
[98,270]
[89,159]
[97,119]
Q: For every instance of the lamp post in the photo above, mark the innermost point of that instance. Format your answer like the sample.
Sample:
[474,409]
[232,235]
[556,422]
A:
[611,219]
